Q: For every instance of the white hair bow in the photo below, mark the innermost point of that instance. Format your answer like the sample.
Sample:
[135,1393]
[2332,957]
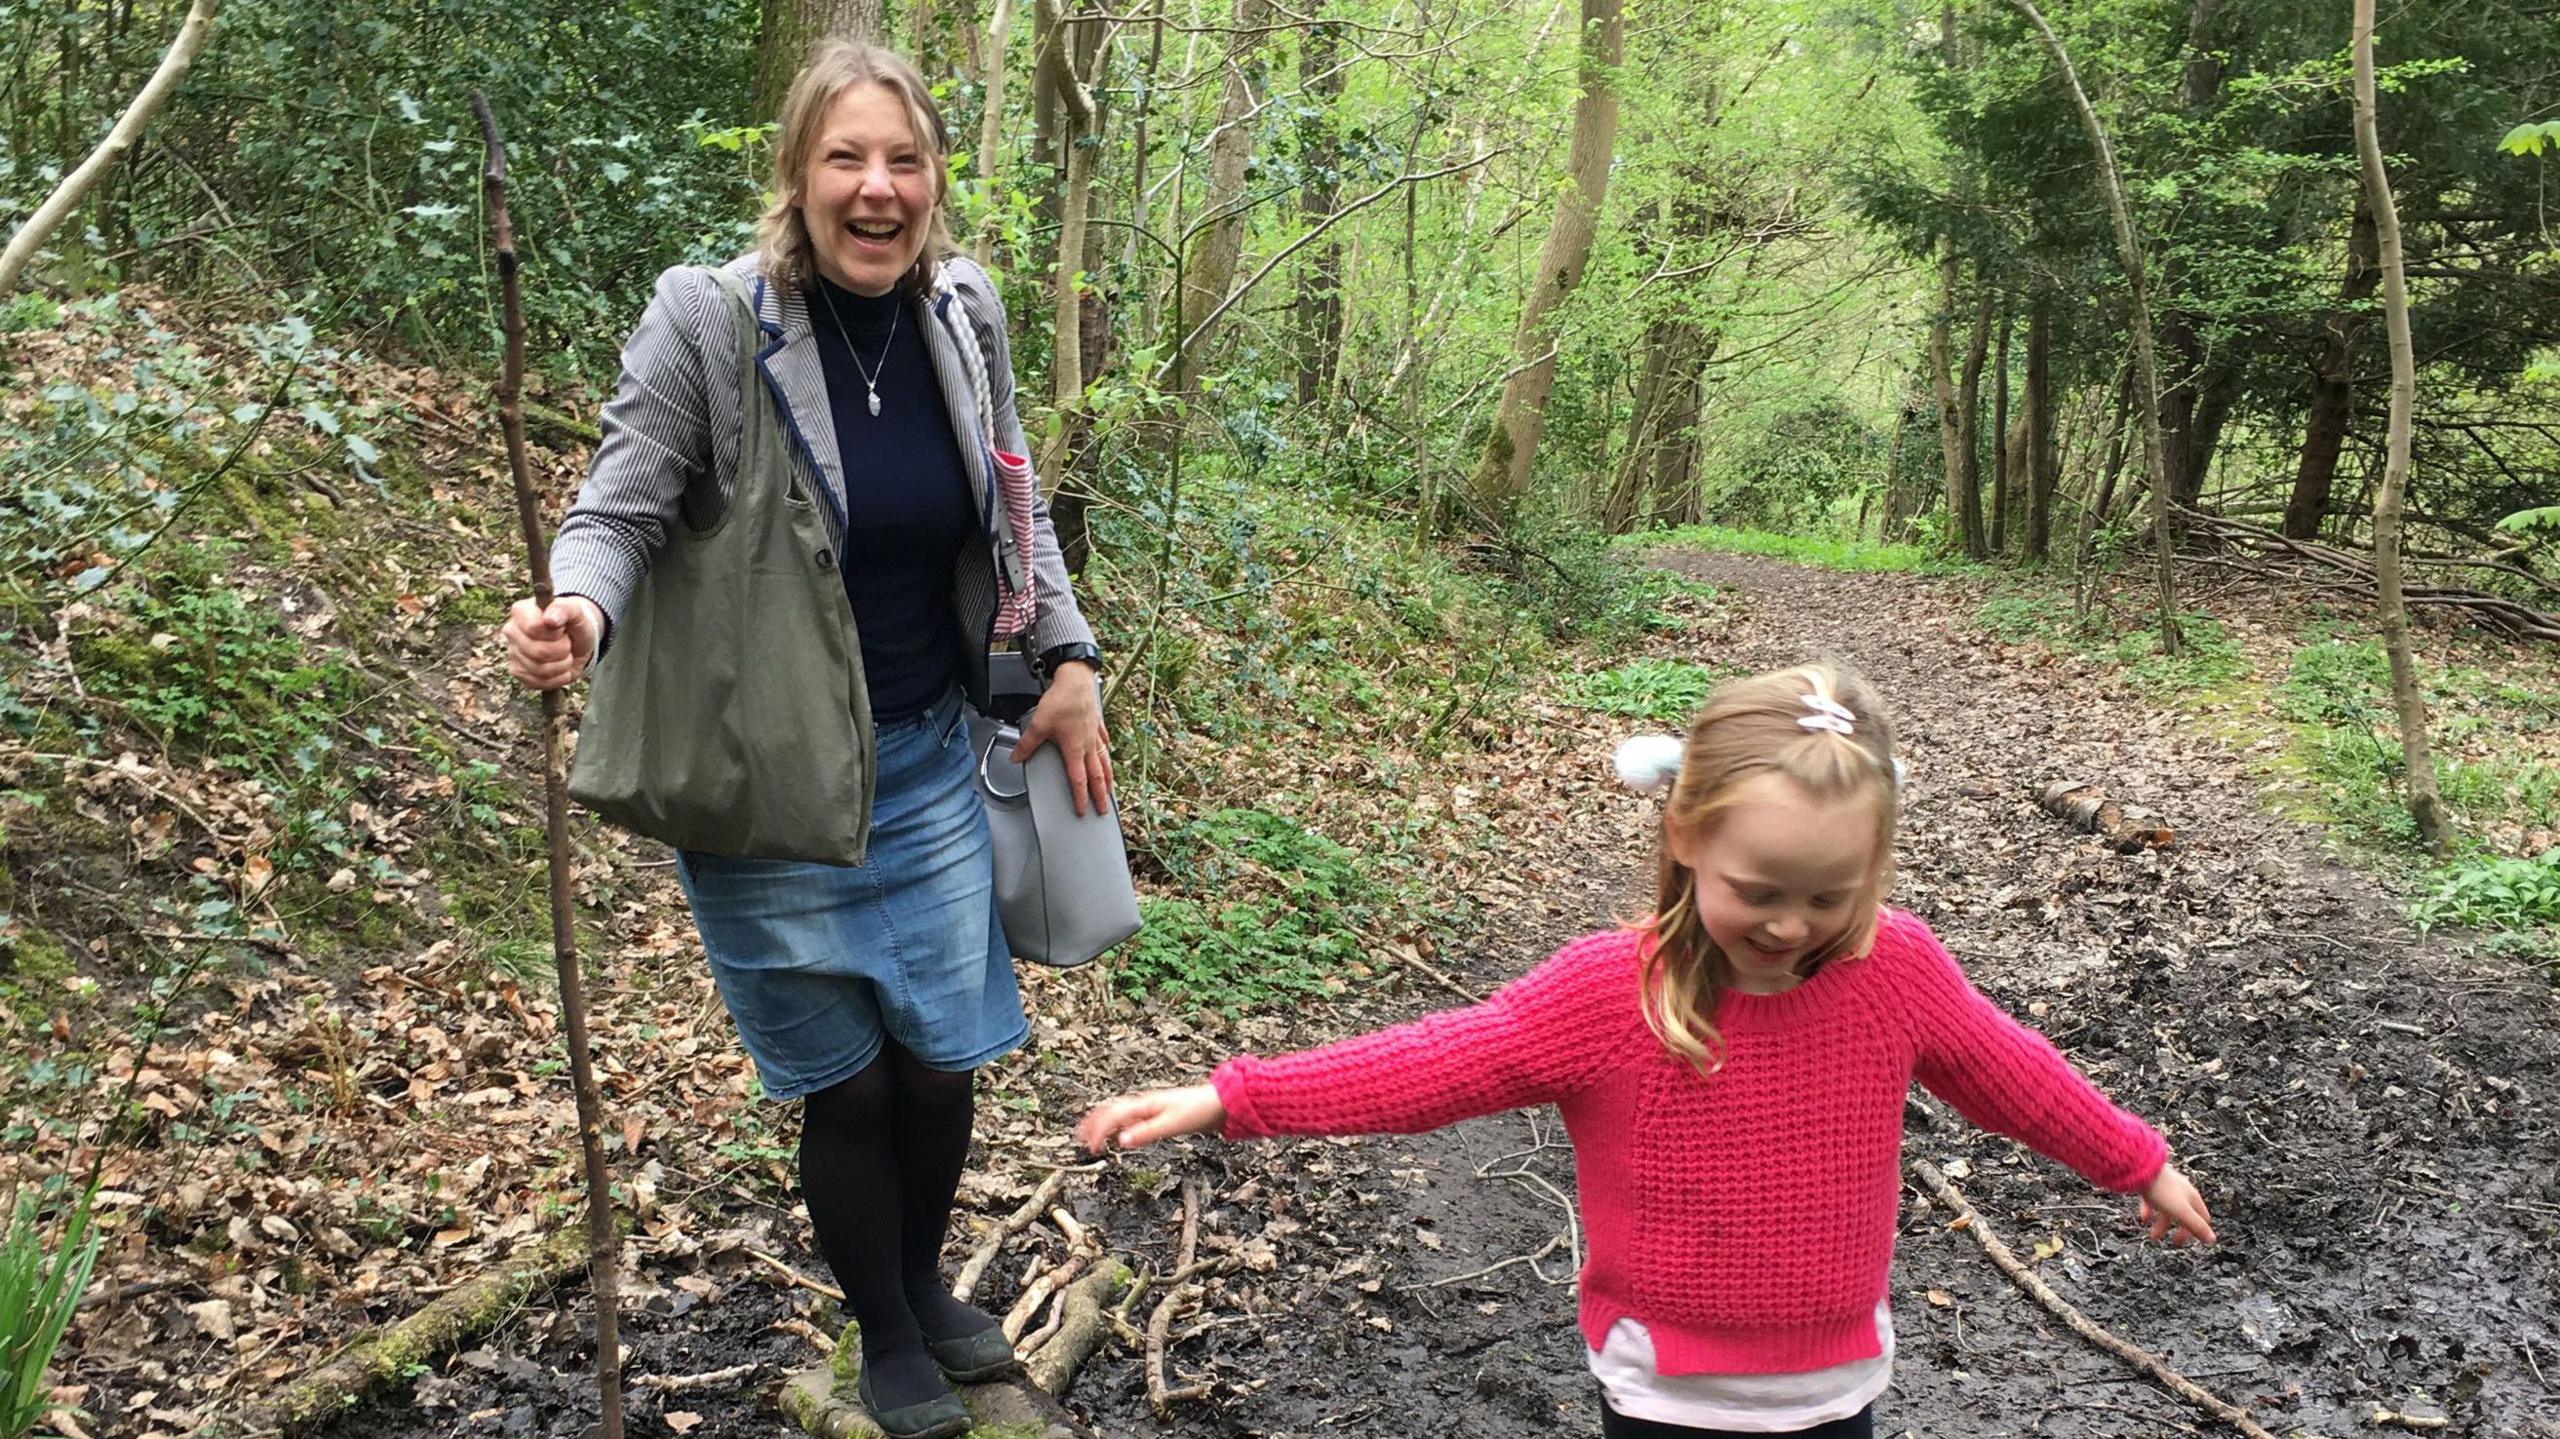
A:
[1828,714]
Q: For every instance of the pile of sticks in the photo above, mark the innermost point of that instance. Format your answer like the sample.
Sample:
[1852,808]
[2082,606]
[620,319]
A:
[2345,572]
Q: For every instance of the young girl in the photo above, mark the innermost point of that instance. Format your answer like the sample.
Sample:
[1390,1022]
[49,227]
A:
[1732,1073]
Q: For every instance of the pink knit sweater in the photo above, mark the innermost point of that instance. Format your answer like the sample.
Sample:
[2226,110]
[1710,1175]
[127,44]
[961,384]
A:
[1746,1218]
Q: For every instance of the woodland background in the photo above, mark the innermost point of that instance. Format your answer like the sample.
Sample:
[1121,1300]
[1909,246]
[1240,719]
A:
[1360,340]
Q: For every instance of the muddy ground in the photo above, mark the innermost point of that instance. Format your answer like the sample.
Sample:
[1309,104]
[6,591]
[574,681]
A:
[2369,1113]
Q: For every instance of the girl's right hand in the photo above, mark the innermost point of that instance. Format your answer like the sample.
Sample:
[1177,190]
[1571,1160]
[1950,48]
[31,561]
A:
[548,649]
[1133,1120]
[2173,1210]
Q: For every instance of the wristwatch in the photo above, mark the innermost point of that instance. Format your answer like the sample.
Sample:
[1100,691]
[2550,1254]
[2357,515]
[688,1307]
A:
[1048,660]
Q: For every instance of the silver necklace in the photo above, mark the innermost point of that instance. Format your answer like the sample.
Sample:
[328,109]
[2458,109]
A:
[870,378]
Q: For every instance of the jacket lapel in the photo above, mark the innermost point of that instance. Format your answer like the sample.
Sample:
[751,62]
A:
[799,379]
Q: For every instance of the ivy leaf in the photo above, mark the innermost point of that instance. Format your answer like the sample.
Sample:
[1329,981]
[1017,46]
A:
[363,449]
[615,172]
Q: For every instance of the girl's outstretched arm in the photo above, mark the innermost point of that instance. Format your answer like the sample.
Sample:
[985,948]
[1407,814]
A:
[1535,1041]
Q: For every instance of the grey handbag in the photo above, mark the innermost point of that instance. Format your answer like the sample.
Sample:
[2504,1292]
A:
[1062,879]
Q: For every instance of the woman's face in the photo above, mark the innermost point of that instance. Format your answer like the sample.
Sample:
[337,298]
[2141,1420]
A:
[869,191]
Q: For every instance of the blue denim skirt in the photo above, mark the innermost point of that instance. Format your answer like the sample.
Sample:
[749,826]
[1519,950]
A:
[819,964]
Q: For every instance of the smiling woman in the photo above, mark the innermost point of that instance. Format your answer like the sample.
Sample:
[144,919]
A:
[806,522]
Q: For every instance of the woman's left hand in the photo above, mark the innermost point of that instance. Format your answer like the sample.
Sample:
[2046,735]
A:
[1070,714]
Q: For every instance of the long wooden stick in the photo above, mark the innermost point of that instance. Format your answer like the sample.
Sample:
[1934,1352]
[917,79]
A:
[2028,1280]
[601,1243]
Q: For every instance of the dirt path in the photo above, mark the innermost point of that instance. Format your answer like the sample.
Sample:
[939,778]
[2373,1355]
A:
[2370,1115]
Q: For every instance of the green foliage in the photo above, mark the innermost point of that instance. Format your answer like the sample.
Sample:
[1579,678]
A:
[43,1268]
[1311,900]
[2493,894]
[212,673]
[1826,552]
[1667,692]
[2530,139]
[29,311]
[1793,472]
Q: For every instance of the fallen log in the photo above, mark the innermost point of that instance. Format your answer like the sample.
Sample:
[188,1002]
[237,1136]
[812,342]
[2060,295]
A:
[381,1357]
[2081,805]
[1020,1405]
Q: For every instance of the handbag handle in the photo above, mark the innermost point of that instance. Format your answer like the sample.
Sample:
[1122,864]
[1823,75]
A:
[1001,735]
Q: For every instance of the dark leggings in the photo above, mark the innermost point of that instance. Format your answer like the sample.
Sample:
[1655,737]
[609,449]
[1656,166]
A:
[1614,1425]
[880,1158]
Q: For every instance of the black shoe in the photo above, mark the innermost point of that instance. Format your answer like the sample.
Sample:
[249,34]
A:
[971,1358]
[941,1417]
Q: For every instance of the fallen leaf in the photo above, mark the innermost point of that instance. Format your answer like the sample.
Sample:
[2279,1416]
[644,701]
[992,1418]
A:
[683,1421]
[1941,1298]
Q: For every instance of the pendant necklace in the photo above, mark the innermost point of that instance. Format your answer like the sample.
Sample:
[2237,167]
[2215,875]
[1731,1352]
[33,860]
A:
[870,378]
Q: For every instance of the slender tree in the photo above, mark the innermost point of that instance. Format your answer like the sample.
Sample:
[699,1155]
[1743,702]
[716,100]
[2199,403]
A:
[76,186]
[2146,367]
[2425,807]
[1511,444]
[1210,266]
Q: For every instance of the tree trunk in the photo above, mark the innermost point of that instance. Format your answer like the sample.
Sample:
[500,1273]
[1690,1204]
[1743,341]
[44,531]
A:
[2333,381]
[789,29]
[75,187]
[2103,490]
[1969,428]
[1072,353]
[991,127]
[2001,468]
[1656,464]
[1511,444]
[1210,266]
[1320,291]
[2424,806]
[2145,364]
[1942,382]
[2044,470]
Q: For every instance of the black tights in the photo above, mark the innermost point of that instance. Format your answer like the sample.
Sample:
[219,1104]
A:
[880,1159]
[1614,1425]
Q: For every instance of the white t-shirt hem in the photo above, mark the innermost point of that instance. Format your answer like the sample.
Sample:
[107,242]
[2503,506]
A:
[1746,1403]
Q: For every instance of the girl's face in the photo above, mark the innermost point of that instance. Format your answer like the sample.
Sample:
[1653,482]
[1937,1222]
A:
[869,191]
[1777,876]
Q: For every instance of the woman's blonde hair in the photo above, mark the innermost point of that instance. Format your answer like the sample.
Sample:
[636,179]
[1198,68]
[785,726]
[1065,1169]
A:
[835,67]
[1749,728]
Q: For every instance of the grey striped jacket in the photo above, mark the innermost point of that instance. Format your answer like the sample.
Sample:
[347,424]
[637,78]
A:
[669,452]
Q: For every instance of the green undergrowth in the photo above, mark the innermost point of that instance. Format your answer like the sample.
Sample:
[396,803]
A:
[1664,691]
[2490,741]
[221,734]
[2208,656]
[1267,911]
[1824,551]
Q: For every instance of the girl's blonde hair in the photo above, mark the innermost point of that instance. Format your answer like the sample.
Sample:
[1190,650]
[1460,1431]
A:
[1749,728]
[835,67]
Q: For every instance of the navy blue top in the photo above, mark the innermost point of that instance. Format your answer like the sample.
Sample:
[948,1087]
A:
[907,504]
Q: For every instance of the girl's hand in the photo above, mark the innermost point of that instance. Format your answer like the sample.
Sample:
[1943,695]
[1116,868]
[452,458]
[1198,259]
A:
[548,649]
[1133,1120]
[2173,1209]
[1070,712]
